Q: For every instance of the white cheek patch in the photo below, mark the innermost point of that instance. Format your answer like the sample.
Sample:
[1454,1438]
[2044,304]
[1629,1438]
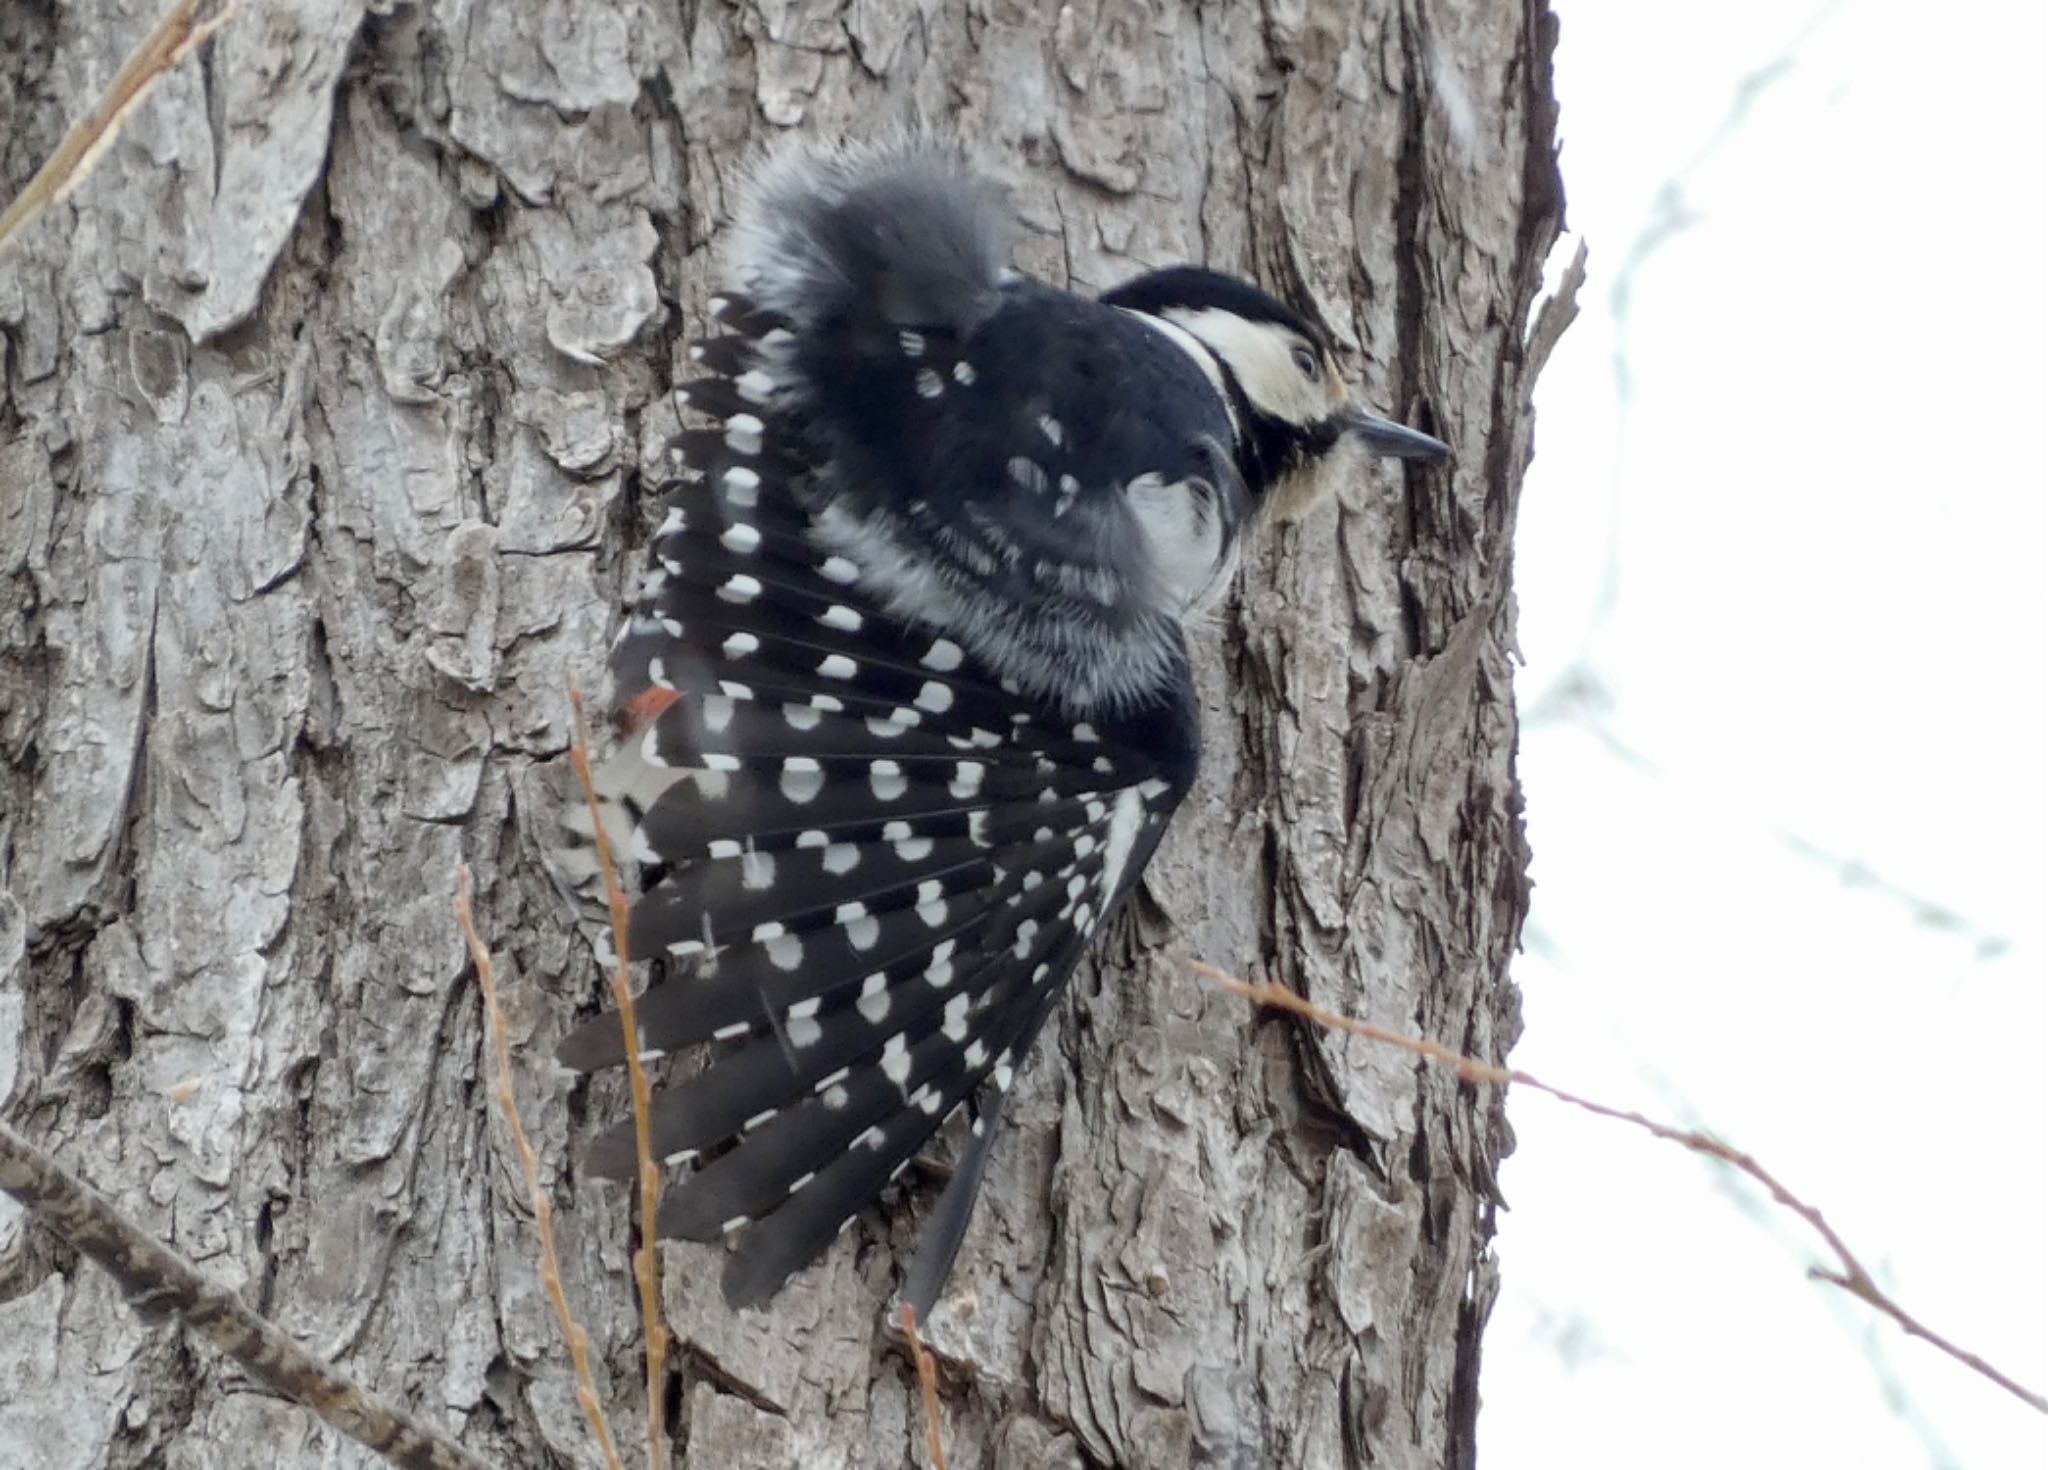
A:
[1261,356]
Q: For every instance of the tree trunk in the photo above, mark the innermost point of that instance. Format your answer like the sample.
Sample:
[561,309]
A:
[330,407]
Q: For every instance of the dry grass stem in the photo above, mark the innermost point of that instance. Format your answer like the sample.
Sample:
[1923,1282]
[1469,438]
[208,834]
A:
[1848,1273]
[928,1381]
[529,1164]
[646,1260]
[167,44]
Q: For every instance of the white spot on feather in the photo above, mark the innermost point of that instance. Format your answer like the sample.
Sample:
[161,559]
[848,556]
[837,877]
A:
[954,1025]
[743,433]
[1029,474]
[840,857]
[802,779]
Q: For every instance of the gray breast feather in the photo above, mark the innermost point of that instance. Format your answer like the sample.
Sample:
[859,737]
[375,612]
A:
[1091,637]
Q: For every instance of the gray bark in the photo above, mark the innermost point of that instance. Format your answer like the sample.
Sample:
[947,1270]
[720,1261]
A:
[328,409]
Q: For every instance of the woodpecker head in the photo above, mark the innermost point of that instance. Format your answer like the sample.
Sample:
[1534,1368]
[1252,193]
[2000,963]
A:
[1293,417]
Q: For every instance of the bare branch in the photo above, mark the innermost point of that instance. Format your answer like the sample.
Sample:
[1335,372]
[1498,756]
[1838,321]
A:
[646,1260]
[167,44]
[1849,1274]
[529,1164]
[158,1282]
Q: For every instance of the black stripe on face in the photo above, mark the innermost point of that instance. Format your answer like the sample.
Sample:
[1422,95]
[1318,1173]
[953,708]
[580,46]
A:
[1269,448]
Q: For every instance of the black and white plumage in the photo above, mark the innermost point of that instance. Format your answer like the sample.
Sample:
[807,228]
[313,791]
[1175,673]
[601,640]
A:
[910,697]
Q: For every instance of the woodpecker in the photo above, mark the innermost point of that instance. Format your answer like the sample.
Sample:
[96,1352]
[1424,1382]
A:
[911,697]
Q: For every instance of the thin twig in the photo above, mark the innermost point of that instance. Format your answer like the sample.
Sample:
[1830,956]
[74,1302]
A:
[167,44]
[1850,1273]
[928,1380]
[529,1164]
[646,1260]
[159,1282]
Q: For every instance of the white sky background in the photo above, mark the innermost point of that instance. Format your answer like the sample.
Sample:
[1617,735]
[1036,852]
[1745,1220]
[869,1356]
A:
[1784,744]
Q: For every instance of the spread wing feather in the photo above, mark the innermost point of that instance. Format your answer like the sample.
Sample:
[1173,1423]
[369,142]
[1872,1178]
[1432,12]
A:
[871,862]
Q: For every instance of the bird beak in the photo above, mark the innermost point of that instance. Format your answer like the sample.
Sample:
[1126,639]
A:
[1384,436]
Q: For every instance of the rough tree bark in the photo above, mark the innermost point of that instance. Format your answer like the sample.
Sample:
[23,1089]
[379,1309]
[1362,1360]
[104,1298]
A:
[325,429]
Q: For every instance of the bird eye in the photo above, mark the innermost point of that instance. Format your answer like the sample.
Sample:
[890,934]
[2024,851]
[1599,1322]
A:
[1311,366]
